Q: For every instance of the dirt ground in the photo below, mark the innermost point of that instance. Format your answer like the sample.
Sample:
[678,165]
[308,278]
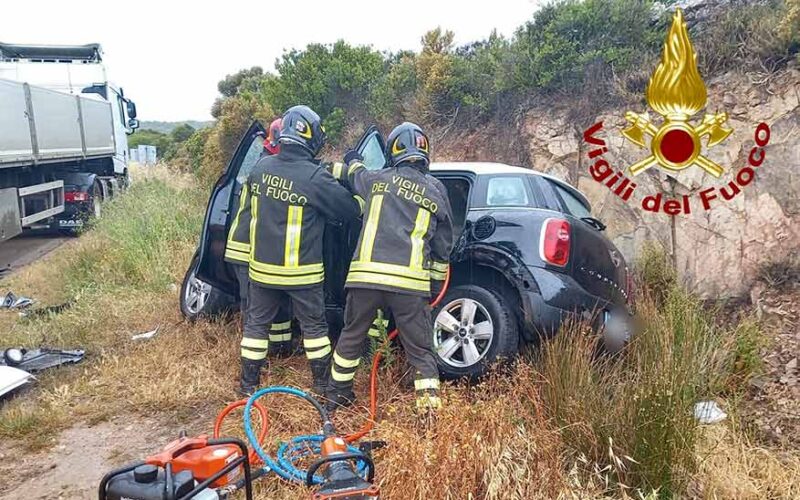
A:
[72,469]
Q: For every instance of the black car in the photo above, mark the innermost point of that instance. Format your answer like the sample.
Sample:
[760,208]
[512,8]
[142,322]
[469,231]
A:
[528,255]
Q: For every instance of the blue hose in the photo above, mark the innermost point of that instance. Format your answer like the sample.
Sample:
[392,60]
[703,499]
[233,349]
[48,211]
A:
[297,448]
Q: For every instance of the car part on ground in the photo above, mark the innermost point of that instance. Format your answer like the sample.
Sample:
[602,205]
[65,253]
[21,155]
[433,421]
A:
[12,378]
[146,335]
[473,327]
[44,311]
[35,360]
[12,301]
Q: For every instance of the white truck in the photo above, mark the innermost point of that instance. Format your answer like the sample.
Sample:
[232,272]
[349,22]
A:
[63,137]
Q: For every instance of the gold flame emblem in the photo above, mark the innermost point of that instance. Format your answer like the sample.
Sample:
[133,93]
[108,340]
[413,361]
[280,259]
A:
[676,92]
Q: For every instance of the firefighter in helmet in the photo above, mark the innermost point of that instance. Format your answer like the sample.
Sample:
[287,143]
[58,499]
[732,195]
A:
[291,198]
[400,261]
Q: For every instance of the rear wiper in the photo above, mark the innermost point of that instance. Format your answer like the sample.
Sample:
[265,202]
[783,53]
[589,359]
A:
[596,223]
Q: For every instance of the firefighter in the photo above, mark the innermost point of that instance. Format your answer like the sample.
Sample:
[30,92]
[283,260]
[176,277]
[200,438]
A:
[292,197]
[237,253]
[401,260]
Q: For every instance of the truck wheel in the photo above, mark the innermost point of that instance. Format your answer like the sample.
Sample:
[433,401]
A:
[198,298]
[473,328]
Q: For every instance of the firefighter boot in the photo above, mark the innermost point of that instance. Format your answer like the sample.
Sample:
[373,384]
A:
[251,376]
[320,369]
[339,395]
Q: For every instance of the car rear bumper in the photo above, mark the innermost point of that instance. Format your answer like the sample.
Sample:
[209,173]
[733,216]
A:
[558,298]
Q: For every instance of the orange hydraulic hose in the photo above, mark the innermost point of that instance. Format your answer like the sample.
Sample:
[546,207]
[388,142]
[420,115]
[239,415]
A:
[262,435]
[373,377]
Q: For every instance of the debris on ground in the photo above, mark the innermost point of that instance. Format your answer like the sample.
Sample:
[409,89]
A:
[34,360]
[146,335]
[12,378]
[709,412]
[12,301]
[43,311]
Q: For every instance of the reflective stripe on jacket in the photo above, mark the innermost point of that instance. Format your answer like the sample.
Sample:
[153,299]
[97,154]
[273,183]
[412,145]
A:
[291,198]
[237,246]
[407,233]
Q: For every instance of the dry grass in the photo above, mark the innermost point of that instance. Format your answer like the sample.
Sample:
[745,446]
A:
[565,425]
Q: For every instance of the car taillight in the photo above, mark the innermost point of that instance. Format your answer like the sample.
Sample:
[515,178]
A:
[555,241]
[76,196]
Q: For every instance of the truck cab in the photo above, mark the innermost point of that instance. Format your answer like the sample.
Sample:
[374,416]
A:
[63,136]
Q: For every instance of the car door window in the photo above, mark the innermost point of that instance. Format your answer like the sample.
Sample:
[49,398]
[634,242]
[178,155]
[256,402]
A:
[250,159]
[458,194]
[371,149]
[507,191]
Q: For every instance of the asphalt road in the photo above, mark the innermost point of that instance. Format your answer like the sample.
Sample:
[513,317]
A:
[22,250]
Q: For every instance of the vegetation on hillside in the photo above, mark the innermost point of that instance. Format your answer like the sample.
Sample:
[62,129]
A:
[579,54]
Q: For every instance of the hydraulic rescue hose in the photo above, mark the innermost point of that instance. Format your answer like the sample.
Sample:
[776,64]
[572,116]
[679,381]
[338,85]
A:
[373,377]
[299,447]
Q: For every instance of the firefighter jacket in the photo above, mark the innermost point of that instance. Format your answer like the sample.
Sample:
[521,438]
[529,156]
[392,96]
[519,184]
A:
[291,199]
[237,246]
[407,233]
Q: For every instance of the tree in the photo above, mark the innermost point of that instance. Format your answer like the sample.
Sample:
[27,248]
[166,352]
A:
[325,77]
[181,133]
[231,84]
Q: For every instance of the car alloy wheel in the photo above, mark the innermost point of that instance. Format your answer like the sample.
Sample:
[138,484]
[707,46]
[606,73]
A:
[463,333]
[196,295]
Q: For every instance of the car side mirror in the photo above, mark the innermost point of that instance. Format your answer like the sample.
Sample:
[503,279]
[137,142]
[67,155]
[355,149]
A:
[133,123]
[131,109]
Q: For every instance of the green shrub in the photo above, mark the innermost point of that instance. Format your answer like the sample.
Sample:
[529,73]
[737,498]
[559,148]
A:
[631,416]
[133,244]
[553,51]
[758,36]
[654,272]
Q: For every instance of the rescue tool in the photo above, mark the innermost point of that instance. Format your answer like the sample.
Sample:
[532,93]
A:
[215,468]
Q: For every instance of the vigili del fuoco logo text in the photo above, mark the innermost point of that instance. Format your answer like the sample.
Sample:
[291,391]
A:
[676,92]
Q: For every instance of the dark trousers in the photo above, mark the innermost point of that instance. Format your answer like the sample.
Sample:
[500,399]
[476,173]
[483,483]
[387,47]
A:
[243,278]
[264,306]
[412,316]
[280,330]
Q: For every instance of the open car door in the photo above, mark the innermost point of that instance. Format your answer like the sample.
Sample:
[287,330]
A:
[224,200]
[341,239]
[371,146]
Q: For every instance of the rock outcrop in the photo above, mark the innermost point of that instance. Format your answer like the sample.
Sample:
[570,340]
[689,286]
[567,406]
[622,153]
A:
[719,251]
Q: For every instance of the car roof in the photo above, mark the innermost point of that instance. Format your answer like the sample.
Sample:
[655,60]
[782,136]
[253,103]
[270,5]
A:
[490,168]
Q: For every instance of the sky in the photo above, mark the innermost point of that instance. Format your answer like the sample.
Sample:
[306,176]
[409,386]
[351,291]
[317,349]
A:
[168,55]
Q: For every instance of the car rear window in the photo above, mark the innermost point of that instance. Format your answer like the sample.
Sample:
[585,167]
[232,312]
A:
[506,191]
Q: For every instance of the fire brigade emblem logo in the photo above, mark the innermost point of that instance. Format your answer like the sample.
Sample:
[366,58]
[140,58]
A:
[676,92]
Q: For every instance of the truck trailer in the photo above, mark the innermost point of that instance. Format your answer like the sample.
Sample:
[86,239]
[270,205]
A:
[63,137]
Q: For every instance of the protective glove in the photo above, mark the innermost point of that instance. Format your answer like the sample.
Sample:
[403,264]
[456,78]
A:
[351,156]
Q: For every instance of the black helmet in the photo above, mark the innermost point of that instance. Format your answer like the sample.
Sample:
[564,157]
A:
[407,142]
[301,125]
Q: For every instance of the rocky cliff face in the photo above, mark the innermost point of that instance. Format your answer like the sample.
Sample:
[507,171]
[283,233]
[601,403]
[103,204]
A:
[718,251]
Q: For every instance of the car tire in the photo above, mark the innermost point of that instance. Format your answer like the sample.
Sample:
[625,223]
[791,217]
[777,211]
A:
[466,347]
[97,201]
[200,299]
